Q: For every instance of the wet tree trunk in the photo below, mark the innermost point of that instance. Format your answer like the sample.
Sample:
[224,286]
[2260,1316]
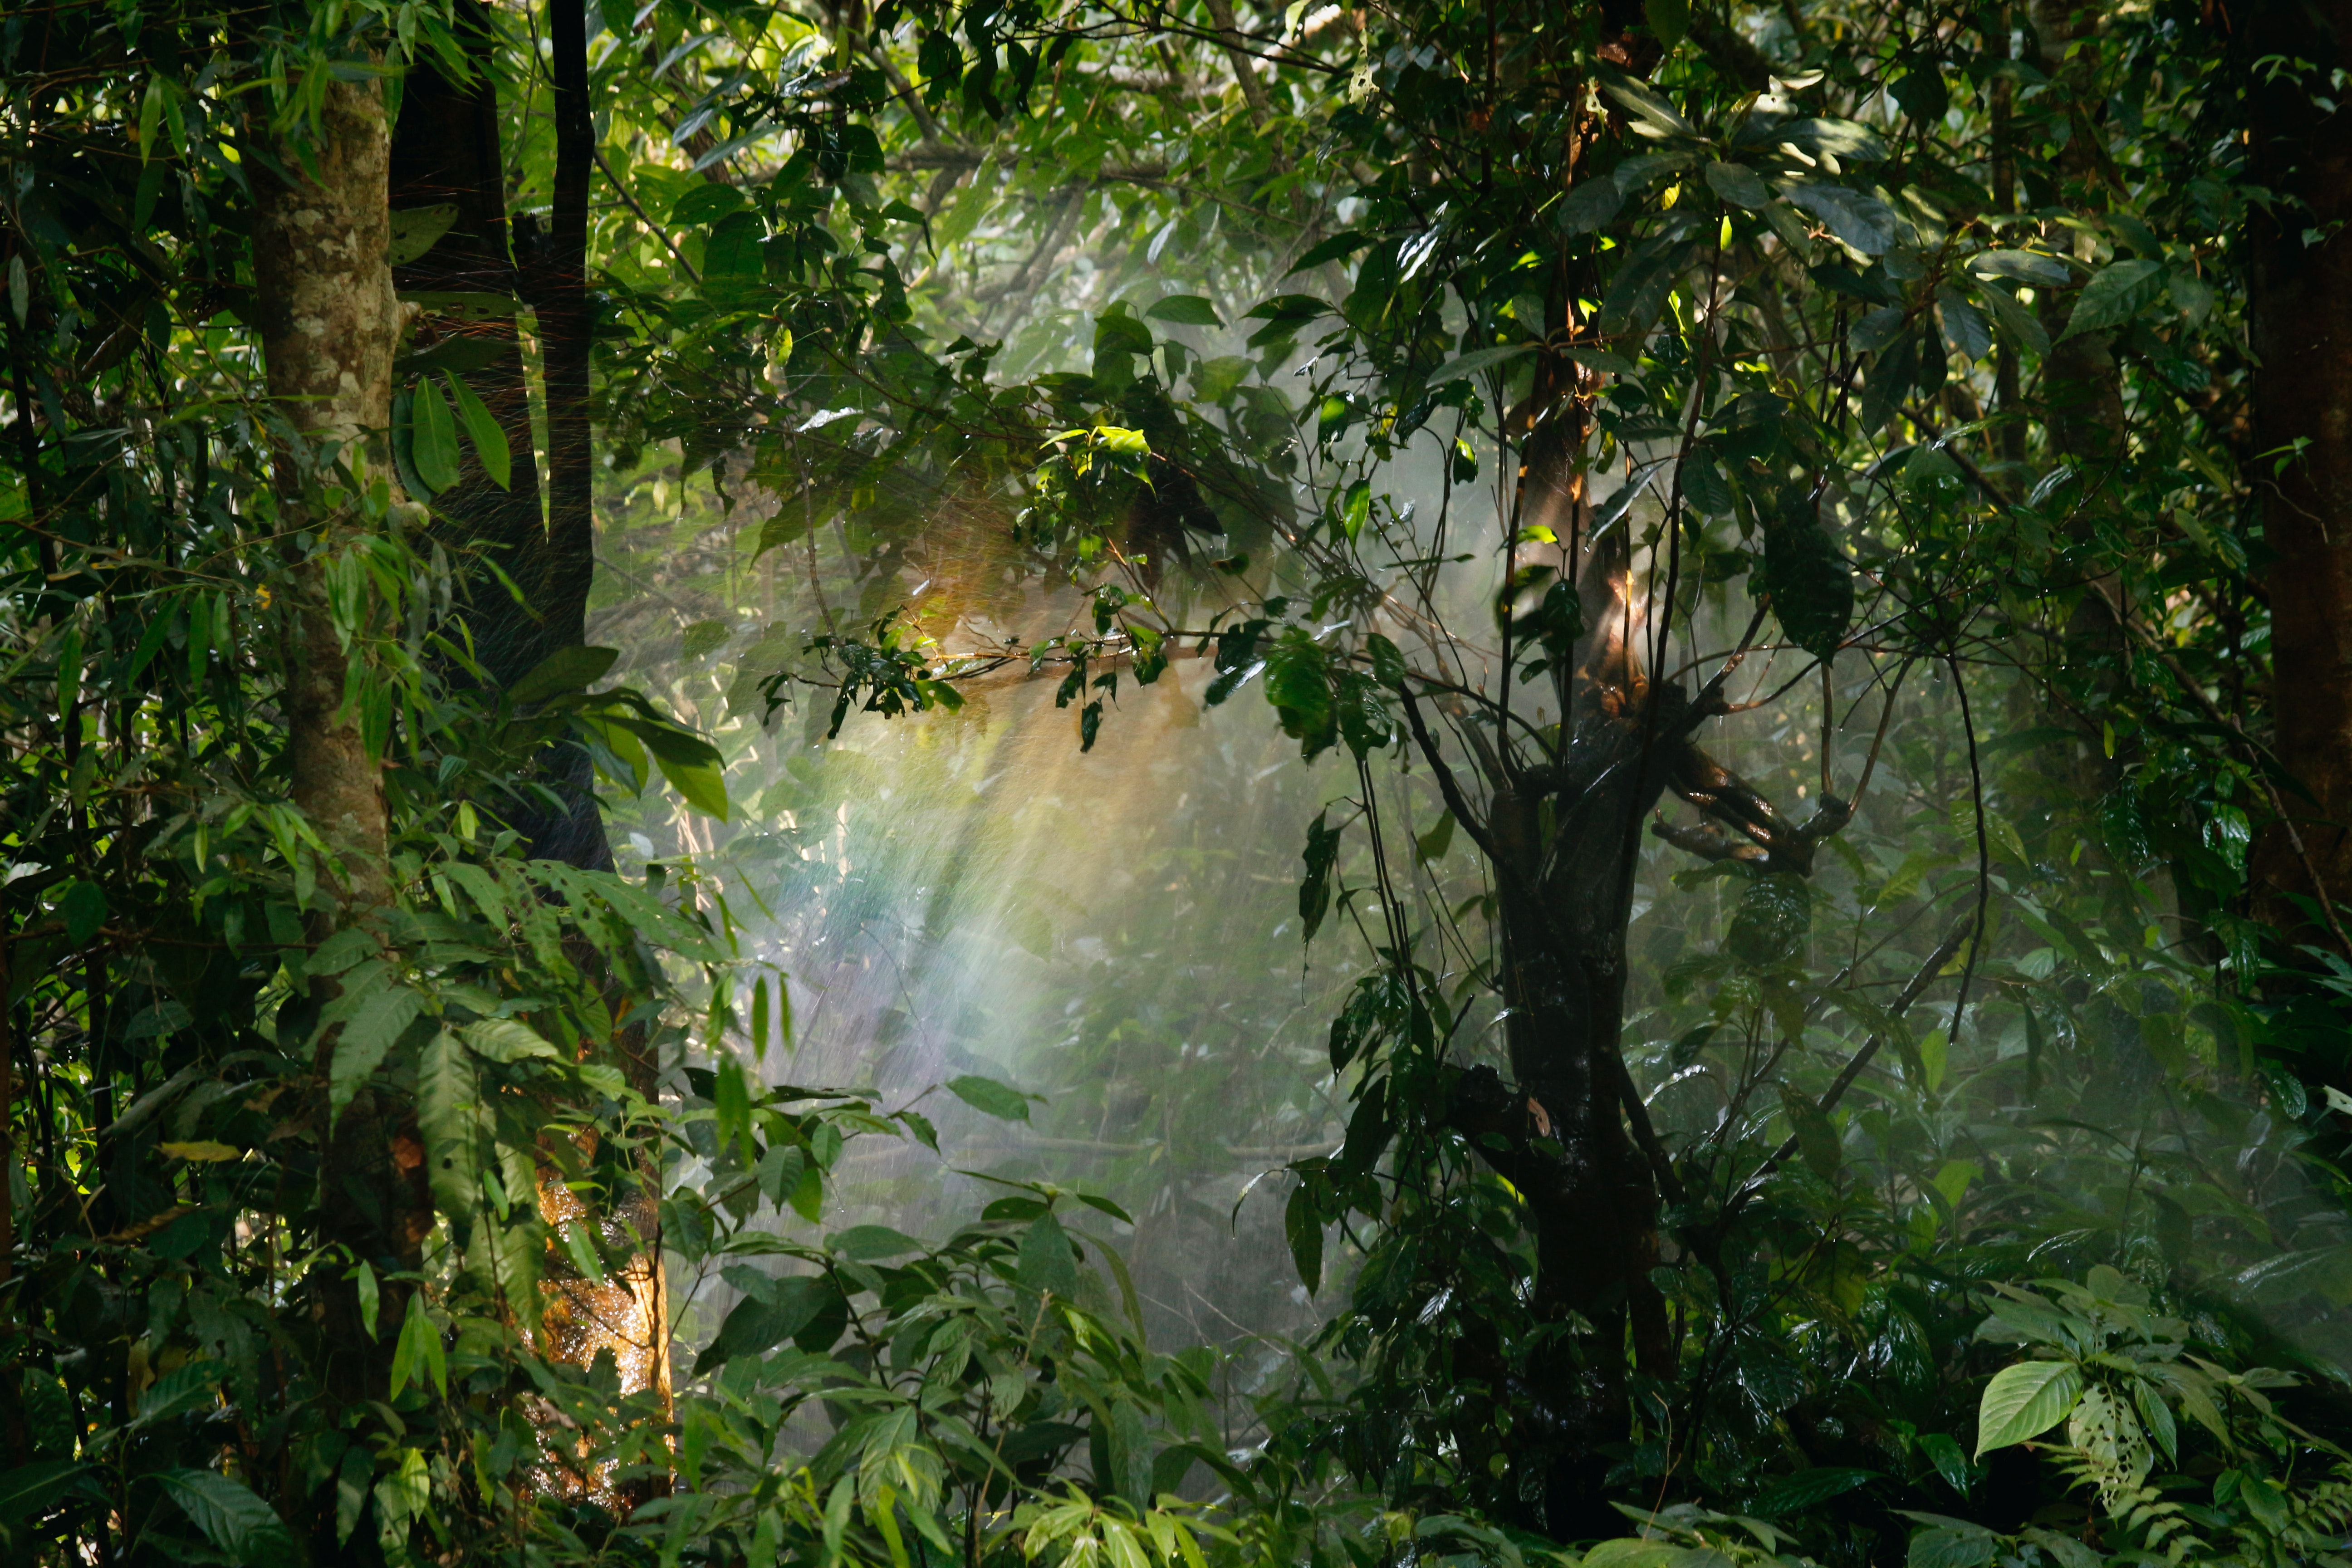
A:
[2301,286]
[1562,836]
[330,326]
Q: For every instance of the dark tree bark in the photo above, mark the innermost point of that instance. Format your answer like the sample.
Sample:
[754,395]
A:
[447,151]
[1562,834]
[2301,333]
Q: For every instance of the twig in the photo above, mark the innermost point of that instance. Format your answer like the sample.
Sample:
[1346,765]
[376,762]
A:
[1853,1069]
[659,233]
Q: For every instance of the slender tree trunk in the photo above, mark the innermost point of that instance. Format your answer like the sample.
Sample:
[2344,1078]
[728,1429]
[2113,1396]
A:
[2301,286]
[446,151]
[565,569]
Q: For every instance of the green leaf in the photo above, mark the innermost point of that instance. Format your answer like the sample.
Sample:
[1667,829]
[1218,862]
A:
[2025,1401]
[868,1242]
[505,1041]
[1186,309]
[706,202]
[562,672]
[1299,689]
[1808,1488]
[1858,218]
[2114,294]
[1588,206]
[360,1049]
[415,230]
[990,1097]
[1772,922]
[1046,1261]
[1963,1546]
[433,439]
[1740,185]
[82,907]
[1315,888]
[419,1354]
[1809,581]
[757,1324]
[449,1115]
[1302,1227]
[2025,265]
[1838,138]
[1669,19]
[489,441]
[1478,359]
[233,1519]
[1817,1137]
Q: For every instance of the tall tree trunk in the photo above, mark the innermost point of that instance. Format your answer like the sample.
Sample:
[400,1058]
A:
[2301,285]
[330,328]
[565,569]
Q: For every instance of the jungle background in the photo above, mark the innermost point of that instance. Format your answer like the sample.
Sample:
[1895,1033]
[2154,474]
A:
[1461,782]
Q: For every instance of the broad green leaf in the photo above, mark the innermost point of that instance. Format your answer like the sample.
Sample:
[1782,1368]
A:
[1186,309]
[1588,206]
[489,441]
[987,1094]
[1809,581]
[2025,1401]
[203,1152]
[1951,1548]
[415,230]
[1808,1488]
[706,202]
[1315,886]
[566,671]
[1303,1229]
[2020,326]
[360,1049]
[1046,1263]
[433,440]
[1478,359]
[449,1114]
[868,1242]
[237,1523]
[505,1041]
[419,1356]
[2024,266]
[1669,19]
[1838,138]
[2114,294]
[1739,184]
[1648,108]
[1858,218]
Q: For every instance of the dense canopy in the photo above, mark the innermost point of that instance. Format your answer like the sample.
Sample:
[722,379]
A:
[1129,785]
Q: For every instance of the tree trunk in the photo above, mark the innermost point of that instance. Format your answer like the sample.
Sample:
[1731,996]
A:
[2302,331]
[564,570]
[330,328]
[447,151]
